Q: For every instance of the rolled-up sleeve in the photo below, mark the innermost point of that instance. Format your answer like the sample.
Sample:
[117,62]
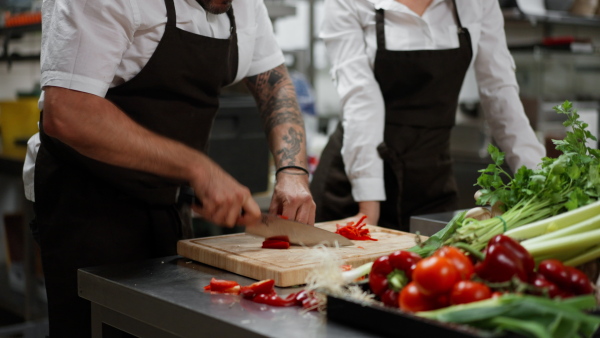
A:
[266,51]
[83,42]
[499,93]
[363,110]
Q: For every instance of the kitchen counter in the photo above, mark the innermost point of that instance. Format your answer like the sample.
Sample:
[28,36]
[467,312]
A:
[164,298]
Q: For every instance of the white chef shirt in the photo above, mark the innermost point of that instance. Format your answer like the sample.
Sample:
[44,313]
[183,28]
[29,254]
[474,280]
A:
[349,35]
[93,45]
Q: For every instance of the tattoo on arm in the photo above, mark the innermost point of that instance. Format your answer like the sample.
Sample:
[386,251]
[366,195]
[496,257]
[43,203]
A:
[274,93]
[275,96]
[294,140]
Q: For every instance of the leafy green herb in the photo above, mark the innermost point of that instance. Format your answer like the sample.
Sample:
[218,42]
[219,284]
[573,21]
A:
[560,184]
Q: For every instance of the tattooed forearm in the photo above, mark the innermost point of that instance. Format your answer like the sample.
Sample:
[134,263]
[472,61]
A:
[288,155]
[275,96]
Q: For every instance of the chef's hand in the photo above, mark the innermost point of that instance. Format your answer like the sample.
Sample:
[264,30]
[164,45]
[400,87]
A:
[292,198]
[224,201]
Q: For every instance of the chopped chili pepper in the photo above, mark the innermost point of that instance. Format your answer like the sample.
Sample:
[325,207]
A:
[504,259]
[355,231]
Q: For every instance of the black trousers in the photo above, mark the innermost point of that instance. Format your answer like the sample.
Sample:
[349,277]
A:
[81,222]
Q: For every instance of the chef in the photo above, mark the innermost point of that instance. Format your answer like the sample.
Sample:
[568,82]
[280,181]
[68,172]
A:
[398,67]
[130,90]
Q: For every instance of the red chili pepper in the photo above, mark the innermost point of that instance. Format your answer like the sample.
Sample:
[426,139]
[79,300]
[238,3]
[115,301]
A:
[266,287]
[355,231]
[504,259]
[275,244]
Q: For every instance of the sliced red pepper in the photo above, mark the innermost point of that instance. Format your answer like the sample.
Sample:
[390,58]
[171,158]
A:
[266,286]
[275,244]
[221,285]
[355,231]
[274,300]
[278,238]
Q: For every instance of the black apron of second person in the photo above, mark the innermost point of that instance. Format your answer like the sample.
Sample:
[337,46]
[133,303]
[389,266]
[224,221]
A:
[420,89]
[89,213]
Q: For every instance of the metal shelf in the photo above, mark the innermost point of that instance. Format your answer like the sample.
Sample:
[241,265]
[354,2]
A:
[551,17]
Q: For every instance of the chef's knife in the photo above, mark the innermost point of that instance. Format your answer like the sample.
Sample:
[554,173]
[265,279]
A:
[297,233]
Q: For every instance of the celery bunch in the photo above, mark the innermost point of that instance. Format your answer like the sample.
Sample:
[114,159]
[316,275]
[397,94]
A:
[559,184]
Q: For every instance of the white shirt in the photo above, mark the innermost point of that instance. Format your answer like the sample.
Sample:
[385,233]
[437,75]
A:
[93,45]
[350,38]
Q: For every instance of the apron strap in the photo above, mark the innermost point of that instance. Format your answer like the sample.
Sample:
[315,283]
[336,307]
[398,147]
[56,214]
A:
[380,29]
[171,16]
[231,17]
[460,27]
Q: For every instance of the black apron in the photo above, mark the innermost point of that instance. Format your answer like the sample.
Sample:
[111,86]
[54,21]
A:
[90,213]
[420,89]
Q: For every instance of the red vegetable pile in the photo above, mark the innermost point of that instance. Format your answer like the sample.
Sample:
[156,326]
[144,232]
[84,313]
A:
[355,231]
[449,276]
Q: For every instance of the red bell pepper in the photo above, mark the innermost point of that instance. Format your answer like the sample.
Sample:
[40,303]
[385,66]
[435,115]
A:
[392,272]
[266,287]
[505,259]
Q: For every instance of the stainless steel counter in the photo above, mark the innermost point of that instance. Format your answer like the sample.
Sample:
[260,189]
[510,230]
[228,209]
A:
[165,298]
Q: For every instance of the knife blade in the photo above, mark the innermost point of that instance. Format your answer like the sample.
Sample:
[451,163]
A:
[297,233]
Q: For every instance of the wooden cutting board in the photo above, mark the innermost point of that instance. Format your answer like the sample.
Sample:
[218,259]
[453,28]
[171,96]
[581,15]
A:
[242,254]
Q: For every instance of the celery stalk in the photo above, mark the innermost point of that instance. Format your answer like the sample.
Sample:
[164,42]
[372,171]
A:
[556,222]
[588,256]
[576,228]
[567,243]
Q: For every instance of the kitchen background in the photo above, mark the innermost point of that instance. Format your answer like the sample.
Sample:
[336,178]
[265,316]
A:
[555,44]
